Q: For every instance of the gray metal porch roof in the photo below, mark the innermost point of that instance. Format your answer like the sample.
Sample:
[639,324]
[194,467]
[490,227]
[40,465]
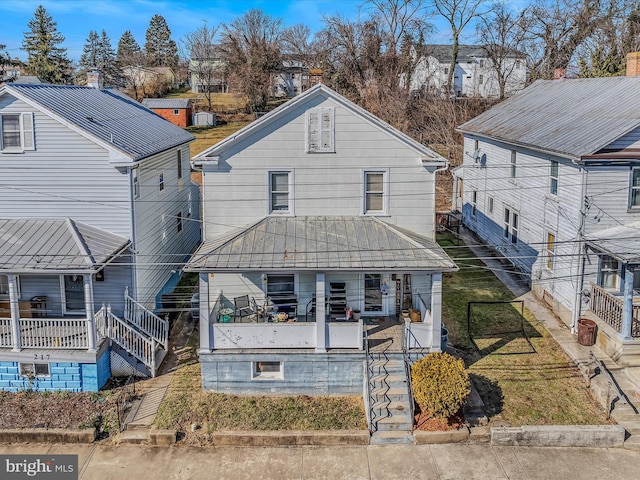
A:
[55,245]
[320,243]
[621,242]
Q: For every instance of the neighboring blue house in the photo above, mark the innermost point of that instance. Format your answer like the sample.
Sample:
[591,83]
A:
[97,213]
[551,179]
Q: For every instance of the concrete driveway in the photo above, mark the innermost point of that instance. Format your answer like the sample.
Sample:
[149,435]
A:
[449,461]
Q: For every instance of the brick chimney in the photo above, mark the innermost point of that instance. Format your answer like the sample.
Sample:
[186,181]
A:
[559,73]
[633,64]
[94,79]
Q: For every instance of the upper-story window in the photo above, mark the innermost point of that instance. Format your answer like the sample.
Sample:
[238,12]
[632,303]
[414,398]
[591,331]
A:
[136,183]
[176,111]
[280,192]
[161,182]
[481,65]
[179,163]
[553,178]
[634,189]
[481,79]
[375,192]
[17,133]
[512,172]
[446,70]
[321,130]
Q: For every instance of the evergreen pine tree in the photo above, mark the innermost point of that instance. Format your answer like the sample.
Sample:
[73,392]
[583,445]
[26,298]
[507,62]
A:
[45,58]
[107,61]
[89,59]
[160,49]
[128,50]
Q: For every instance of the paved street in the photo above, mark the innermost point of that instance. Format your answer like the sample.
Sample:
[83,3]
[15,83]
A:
[453,461]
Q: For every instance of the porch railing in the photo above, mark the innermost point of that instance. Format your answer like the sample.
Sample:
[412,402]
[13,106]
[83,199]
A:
[6,336]
[609,309]
[146,321]
[54,333]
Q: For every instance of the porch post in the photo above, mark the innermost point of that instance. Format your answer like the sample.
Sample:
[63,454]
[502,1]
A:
[88,305]
[14,305]
[627,305]
[321,332]
[205,327]
[436,310]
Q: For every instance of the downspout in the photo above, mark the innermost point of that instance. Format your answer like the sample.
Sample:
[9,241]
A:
[581,251]
[134,244]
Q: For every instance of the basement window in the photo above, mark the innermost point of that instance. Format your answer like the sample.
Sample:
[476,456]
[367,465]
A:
[32,370]
[267,370]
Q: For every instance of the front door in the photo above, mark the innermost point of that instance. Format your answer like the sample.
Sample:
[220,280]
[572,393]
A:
[74,294]
[373,293]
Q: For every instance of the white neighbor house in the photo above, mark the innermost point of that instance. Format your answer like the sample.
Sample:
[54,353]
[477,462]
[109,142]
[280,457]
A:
[315,207]
[551,179]
[474,74]
[97,213]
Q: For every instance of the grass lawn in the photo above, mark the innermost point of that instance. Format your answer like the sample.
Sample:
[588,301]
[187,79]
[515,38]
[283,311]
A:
[208,136]
[220,102]
[186,403]
[521,383]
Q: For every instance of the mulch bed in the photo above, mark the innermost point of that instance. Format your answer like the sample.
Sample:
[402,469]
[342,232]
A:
[425,422]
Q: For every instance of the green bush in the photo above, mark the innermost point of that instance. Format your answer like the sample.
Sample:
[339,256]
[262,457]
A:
[440,384]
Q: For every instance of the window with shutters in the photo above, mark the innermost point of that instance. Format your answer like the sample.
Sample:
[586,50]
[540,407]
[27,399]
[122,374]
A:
[16,132]
[320,130]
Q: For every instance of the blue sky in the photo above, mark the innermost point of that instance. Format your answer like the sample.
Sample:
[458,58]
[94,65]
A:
[76,18]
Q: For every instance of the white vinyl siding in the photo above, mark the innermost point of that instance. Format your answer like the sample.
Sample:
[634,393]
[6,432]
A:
[321,130]
[16,132]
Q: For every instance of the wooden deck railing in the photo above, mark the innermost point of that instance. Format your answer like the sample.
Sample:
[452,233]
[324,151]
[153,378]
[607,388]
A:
[6,336]
[146,321]
[132,341]
[54,333]
[609,309]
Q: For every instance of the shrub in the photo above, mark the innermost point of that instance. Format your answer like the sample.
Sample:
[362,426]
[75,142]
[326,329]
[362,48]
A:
[440,384]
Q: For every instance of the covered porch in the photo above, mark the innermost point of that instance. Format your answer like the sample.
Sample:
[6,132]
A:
[614,291]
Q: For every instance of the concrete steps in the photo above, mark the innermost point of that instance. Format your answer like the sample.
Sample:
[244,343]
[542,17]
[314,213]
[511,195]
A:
[392,421]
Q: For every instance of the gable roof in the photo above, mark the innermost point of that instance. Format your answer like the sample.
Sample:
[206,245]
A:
[315,91]
[442,52]
[166,102]
[569,118]
[55,245]
[341,243]
[104,115]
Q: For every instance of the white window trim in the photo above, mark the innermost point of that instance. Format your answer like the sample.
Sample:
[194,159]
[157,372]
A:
[552,178]
[27,135]
[291,210]
[616,271]
[632,188]
[176,111]
[256,375]
[180,169]
[63,297]
[330,131]
[474,203]
[161,183]
[385,280]
[513,165]
[135,181]
[508,228]
[33,364]
[490,204]
[385,192]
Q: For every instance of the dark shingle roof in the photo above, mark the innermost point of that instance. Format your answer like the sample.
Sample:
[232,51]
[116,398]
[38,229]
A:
[571,118]
[108,115]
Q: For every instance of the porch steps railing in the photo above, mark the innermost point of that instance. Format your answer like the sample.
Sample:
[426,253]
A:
[146,321]
[390,410]
[136,343]
[609,309]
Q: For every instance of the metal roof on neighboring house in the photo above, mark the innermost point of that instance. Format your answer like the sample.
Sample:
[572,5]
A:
[443,52]
[55,245]
[621,242]
[570,118]
[106,114]
[166,102]
[320,243]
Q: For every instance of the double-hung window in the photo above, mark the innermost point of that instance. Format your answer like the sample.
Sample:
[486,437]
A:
[4,285]
[634,189]
[553,178]
[136,183]
[179,163]
[161,182]
[280,192]
[512,172]
[510,226]
[474,203]
[375,192]
[610,273]
[16,132]
[551,250]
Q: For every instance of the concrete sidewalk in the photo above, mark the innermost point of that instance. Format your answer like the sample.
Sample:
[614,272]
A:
[451,462]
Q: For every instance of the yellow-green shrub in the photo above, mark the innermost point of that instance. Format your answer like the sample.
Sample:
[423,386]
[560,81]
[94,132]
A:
[440,384]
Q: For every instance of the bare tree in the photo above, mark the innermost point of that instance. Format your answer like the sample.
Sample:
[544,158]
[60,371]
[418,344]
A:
[250,46]
[458,14]
[205,64]
[502,33]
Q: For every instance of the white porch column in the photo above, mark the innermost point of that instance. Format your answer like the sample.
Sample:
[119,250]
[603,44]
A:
[205,326]
[627,305]
[88,305]
[14,305]
[436,310]
[321,327]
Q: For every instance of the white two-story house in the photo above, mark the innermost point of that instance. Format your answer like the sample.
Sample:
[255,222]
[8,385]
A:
[97,214]
[474,74]
[551,179]
[318,222]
